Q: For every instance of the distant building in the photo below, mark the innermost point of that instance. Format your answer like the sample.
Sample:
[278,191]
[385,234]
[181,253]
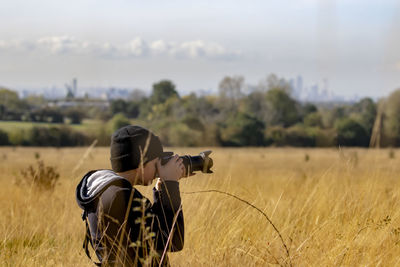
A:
[115,93]
[68,104]
[297,87]
[316,92]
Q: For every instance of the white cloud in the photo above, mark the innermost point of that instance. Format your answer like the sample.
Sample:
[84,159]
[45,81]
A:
[199,48]
[193,50]
[61,44]
[135,48]
[160,47]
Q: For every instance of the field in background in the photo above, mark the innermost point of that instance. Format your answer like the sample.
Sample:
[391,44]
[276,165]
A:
[332,207]
[86,126]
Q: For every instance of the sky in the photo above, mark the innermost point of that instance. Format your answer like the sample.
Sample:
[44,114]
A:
[353,44]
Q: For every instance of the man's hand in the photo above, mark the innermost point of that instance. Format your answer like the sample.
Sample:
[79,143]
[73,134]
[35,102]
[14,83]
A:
[172,171]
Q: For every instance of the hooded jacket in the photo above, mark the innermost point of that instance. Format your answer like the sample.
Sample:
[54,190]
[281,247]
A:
[124,228]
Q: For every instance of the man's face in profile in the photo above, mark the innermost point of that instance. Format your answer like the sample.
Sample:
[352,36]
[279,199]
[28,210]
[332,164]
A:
[149,172]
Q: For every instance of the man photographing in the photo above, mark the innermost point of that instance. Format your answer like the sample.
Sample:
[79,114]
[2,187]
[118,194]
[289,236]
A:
[123,227]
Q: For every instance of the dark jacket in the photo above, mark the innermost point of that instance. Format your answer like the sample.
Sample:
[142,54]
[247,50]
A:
[125,228]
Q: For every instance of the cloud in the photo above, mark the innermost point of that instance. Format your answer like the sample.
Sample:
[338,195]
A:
[61,44]
[58,45]
[199,49]
[193,50]
[160,47]
[137,47]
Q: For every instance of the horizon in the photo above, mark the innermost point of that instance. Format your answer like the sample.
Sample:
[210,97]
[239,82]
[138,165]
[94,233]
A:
[59,93]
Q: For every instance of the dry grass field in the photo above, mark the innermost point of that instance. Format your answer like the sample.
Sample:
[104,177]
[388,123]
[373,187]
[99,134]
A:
[332,207]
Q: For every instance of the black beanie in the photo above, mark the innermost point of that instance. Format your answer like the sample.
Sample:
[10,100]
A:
[127,145]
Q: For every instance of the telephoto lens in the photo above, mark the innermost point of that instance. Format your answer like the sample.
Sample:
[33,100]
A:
[202,162]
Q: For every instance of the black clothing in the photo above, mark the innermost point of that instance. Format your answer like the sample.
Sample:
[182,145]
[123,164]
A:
[141,238]
[131,145]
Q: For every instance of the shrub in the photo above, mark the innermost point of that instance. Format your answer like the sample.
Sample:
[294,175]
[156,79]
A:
[75,115]
[43,136]
[193,122]
[54,136]
[18,137]
[298,136]
[118,121]
[313,120]
[324,138]
[275,135]
[45,114]
[41,177]
[181,135]
[4,141]
[351,133]
[70,137]
[103,136]
[242,130]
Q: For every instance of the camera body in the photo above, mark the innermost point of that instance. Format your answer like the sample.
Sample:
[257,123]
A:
[202,162]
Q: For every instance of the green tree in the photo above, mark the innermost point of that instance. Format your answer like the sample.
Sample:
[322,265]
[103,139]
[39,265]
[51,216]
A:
[118,106]
[231,87]
[35,101]
[282,109]
[351,133]
[364,111]
[275,135]
[255,103]
[4,141]
[230,92]
[272,82]
[330,116]
[9,98]
[204,107]
[45,114]
[118,121]
[11,107]
[162,91]
[308,108]
[55,136]
[299,136]
[76,115]
[180,134]
[193,122]
[43,136]
[313,120]
[242,130]
[133,109]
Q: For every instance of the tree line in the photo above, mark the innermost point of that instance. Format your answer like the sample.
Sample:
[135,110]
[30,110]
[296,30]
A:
[268,115]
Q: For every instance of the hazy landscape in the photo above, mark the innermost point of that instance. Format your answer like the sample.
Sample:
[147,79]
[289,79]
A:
[332,207]
[299,101]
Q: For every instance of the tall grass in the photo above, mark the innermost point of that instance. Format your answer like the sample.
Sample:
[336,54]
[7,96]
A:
[338,208]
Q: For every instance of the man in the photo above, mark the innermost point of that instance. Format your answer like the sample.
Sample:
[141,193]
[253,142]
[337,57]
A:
[124,228]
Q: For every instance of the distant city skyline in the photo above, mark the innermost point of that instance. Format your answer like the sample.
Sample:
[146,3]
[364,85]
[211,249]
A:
[303,91]
[353,44]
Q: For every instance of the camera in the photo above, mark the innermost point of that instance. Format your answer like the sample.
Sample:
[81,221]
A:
[202,162]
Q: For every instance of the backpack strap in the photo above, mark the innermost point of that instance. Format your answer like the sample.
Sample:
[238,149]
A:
[88,239]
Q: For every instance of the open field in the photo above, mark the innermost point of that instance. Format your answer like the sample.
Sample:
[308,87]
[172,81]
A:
[333,208]
[10,126]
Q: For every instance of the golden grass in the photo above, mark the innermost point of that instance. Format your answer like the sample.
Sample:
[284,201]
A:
[339,208]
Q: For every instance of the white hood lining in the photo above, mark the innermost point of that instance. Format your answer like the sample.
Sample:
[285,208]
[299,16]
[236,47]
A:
[98,179]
